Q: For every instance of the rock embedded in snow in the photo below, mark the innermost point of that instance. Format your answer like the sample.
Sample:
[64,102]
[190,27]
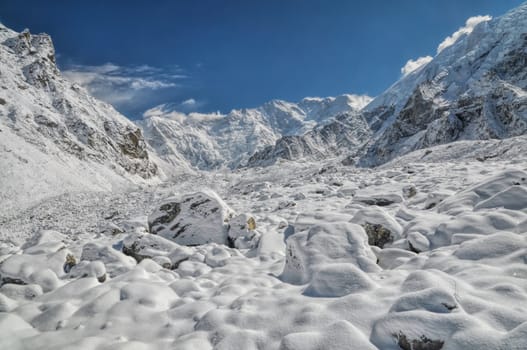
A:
[380,226]
[242,232]
[379,195]
[192,219]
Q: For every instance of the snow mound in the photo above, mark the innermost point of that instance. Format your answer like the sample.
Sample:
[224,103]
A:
[311,249]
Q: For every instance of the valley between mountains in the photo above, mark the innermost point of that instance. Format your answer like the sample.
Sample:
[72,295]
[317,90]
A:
[348,222]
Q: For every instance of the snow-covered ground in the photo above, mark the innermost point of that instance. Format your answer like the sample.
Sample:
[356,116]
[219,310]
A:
[413,255]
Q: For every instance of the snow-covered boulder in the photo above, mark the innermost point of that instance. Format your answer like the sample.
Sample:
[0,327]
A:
[312,249]
[336,280]
[115,262]
[193,219]
[89,269]
[381,195]
[147,246]
[501,190]
[338,336]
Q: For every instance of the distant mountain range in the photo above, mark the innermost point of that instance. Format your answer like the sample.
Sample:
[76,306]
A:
[209,141]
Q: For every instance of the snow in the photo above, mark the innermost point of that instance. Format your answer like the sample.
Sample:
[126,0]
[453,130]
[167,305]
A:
[466,286]
[427,251]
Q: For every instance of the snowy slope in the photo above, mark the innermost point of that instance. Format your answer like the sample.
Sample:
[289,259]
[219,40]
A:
[54,137]
[208,141]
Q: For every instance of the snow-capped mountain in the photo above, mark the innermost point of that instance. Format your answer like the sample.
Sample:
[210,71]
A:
[474,89]
[54,137]
[208,141]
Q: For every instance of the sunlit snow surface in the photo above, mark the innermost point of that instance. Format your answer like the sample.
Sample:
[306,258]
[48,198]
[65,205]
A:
[465,289]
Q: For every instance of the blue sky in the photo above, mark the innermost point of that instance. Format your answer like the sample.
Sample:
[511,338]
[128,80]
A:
[209,55]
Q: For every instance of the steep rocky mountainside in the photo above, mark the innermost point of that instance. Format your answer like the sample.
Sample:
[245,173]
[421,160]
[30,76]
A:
[473,90]
[346,132]
[208,141]
[53,135]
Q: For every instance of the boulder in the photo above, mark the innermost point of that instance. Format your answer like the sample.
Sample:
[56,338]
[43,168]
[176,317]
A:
[193,219]
[308,250]
[147,246]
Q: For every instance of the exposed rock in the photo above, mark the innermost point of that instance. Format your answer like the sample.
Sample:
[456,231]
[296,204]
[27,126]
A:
[242,232]
[377,234]
[409,191]
[423,343]
[69,263]
[380,227]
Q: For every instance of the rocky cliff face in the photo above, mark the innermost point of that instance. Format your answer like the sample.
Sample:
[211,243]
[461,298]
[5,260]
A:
[53,134]
[38,101]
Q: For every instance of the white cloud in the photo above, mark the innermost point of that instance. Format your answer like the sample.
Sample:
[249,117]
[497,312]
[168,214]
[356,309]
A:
[467,29]
[412,65]
[121,85]
[170,111]
[190,102]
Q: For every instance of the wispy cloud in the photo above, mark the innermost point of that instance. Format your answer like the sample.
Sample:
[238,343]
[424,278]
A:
[174,111]
[412,65]
[123,85]
[470,24]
